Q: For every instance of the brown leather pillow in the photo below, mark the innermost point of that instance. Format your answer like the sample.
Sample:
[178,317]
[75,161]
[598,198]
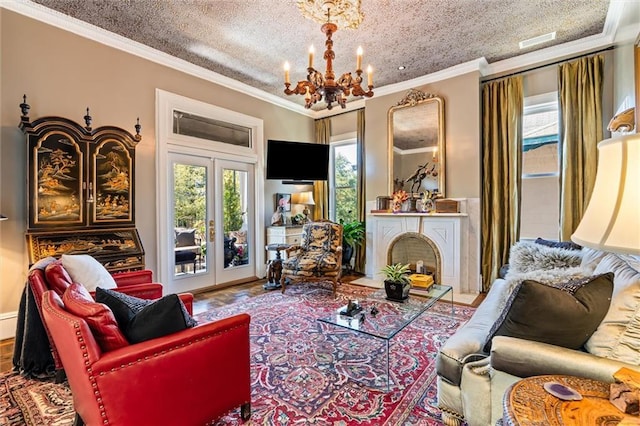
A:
[98,316]
[57,277]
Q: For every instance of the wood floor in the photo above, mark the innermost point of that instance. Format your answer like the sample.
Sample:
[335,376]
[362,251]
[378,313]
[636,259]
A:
[201,303]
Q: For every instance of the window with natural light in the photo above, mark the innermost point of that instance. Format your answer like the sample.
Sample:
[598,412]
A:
[343,181]
[540,209]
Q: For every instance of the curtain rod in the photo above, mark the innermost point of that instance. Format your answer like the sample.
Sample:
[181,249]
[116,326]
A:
[341,113]
[548,65]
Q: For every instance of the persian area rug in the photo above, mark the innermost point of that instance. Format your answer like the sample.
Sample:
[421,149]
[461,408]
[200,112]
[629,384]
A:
[34,402]
[296,363]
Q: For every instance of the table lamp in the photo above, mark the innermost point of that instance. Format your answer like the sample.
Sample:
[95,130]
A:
[305,198]
[611,221]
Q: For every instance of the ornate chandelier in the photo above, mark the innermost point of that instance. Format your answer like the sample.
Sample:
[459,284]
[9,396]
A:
[318,86]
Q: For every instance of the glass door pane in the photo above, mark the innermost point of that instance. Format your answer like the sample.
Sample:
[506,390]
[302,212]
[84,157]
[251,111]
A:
[190,218]
[237,218]
[190,241]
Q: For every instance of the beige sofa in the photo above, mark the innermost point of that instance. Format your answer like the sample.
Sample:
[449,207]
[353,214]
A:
[472,383]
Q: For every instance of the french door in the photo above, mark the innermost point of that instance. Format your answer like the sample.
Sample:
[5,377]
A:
[211,220]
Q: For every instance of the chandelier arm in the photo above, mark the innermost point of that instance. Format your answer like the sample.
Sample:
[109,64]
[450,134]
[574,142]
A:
[300,88]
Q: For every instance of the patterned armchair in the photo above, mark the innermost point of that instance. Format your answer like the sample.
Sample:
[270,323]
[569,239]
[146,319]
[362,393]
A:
[318,257]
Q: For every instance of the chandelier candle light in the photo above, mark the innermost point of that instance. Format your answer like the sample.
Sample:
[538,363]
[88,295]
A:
[317,85]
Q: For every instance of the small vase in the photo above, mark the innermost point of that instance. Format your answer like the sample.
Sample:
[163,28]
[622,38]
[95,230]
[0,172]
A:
[397,207]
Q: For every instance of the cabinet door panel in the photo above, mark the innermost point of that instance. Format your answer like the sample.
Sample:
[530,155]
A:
[56,180]
[111,184]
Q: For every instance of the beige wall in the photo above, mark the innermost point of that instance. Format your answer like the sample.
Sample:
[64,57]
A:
[462,134]
[62,74]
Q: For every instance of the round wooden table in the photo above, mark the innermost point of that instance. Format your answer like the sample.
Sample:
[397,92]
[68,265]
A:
[527,403]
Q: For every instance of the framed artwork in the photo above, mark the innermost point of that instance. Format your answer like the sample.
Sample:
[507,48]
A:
[284,201]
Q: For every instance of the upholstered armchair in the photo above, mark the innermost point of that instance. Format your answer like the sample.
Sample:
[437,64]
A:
[54,277]
[318,257]
[190,377]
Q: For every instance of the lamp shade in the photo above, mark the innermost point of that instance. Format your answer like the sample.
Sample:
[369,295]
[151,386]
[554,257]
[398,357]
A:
[305,197]
[611,221]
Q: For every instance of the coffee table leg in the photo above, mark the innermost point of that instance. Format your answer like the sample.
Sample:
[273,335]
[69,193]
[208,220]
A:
[452,310]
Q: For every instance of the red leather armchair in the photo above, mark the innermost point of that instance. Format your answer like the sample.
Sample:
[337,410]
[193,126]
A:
[134,283]
[187,378]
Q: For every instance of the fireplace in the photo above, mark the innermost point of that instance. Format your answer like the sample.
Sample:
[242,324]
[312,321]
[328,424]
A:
[412,248]
[447,244]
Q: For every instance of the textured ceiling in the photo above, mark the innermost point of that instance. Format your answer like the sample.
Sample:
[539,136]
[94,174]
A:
[249,40]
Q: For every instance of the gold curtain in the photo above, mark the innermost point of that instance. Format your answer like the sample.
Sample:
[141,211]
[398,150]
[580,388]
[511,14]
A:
[360,189]
[502,108]
[320,187]
[580,97]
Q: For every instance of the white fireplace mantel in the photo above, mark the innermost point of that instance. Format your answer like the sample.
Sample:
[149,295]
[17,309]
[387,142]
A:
[448,231]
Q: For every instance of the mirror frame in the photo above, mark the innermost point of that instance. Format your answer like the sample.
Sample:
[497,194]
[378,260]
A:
[414,98]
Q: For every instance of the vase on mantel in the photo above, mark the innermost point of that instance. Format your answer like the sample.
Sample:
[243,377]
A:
[397,207]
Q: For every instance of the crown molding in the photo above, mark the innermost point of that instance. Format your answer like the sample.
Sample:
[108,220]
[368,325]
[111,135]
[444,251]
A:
[97,34]
[617,9]
[454,71]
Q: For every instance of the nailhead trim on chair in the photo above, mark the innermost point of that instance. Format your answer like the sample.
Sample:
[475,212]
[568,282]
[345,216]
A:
[450,417]
[92,379]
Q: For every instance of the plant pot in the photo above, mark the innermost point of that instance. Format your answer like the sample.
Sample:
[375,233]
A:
[347,254]
[397,291]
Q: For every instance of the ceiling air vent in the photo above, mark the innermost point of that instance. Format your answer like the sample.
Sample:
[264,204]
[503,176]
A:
[537,40]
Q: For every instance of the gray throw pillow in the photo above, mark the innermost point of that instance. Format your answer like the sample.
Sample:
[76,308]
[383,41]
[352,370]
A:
[564,314]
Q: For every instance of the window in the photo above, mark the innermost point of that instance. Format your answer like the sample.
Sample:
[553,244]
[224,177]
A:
[343,181]
[540,210]
[210,129]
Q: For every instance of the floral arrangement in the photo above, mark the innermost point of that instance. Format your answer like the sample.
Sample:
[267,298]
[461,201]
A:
[399,197]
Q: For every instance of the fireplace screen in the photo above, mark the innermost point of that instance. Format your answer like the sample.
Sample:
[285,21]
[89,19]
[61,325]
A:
[414,248]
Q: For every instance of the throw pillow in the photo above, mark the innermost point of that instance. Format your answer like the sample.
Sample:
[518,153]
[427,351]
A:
[98,317]
[568,245]
[87,271]
[527,256]
[617,335]
[57,277]
[563,314]
[142,319]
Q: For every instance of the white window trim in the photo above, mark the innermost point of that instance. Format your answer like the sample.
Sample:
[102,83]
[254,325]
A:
[336,141]
[167,141]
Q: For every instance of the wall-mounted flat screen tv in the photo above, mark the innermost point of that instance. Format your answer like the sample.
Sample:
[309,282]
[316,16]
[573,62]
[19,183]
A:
[297,161]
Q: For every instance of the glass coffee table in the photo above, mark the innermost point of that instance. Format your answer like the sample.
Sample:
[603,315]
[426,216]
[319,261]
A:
[391,318]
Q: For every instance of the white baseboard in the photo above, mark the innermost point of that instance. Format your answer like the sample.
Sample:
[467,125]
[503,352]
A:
[8,322]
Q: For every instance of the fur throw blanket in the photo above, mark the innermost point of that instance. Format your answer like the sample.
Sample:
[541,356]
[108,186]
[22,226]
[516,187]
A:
[526,256]
[543,264]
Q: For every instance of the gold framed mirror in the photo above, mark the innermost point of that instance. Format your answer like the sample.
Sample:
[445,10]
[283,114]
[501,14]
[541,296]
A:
[417,144]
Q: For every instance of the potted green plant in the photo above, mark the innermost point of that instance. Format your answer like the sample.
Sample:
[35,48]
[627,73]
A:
[397,283]
[353,235]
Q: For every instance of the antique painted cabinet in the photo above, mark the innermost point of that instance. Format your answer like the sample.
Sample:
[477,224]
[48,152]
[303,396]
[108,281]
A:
[81,190]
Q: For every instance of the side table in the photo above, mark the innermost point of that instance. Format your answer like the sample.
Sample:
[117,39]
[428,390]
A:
[274,267]
[527,403]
